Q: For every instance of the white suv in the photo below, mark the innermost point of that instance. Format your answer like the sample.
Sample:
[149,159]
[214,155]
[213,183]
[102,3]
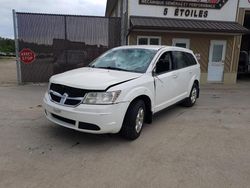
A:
[122,89]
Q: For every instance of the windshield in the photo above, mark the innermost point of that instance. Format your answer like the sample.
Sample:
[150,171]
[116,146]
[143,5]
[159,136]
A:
[132,60]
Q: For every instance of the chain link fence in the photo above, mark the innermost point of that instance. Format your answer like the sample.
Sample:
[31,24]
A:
[63,42]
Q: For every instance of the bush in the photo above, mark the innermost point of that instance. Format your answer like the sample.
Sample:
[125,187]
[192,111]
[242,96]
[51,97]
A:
[7,45]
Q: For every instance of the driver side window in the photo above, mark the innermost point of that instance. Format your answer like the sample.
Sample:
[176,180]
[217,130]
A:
[164,63]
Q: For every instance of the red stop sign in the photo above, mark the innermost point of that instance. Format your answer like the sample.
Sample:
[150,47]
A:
[27,56]
[214,1]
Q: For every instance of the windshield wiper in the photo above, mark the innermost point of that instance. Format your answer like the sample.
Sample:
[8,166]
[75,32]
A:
[113,68]
[92,66]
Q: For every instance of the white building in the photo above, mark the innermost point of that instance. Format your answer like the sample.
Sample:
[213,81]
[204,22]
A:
[211,28]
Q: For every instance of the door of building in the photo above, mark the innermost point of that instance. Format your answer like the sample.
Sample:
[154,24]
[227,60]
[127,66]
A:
[216,60]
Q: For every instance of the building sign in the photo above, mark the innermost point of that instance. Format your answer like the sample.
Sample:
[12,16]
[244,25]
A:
[201,4]
[27,56]
[214,10]
[187,13]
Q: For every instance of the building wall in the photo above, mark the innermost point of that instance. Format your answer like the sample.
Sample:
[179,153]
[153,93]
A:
[121,10]
[199,43]
[244,4]
[233,10]
[116,12]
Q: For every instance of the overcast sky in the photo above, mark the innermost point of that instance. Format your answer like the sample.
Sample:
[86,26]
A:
[79,7]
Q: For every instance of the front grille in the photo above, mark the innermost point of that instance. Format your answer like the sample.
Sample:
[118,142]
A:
[69,121]
[55,98]
[71,91]
[72,102]
[66,95]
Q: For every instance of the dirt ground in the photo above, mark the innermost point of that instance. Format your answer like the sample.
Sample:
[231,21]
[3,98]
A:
[7,71]
[204,146]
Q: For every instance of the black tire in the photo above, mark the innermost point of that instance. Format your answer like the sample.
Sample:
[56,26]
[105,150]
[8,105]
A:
[191,100]
[130,128]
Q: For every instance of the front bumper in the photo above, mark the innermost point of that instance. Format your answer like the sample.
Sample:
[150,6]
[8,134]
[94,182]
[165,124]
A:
[97,119]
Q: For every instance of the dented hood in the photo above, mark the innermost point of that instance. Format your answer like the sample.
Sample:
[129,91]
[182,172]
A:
[93,78]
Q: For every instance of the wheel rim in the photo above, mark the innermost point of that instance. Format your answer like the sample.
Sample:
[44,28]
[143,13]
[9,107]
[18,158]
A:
[193,95]
[139,120]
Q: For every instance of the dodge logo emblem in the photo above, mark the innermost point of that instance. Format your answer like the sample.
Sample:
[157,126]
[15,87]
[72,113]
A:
[64,98]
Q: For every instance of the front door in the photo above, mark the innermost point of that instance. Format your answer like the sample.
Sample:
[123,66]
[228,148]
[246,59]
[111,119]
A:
[165,82]
[216,61]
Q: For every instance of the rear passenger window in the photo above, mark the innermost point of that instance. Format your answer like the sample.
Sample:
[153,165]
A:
[191,59]
[179,60]
[182,59]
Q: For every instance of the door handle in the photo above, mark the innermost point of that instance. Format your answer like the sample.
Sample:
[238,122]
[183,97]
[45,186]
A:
[190,72]
[175,76]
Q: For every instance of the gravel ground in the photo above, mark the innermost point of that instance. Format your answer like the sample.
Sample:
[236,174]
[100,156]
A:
[7,71]
[204,146]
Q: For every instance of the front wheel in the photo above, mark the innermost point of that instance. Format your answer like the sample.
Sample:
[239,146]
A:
[134,120]
[191,100]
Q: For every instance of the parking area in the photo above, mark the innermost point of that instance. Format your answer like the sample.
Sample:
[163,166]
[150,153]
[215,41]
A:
[203,146]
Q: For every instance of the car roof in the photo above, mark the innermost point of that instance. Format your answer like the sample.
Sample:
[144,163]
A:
[155,47]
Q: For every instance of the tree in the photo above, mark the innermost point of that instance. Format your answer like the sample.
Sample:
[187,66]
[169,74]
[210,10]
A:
[7,45]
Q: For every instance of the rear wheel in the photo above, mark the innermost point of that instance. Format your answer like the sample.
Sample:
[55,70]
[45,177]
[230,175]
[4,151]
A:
[134,120]
[191,100]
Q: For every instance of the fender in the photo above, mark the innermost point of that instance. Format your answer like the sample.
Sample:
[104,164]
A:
[139,91]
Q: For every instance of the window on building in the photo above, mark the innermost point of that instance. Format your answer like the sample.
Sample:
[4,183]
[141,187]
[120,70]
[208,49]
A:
[217,52]
[143,41]
[149,40]
[181,42]
[154,41]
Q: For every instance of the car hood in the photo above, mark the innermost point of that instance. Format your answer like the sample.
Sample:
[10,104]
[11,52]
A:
[93,78]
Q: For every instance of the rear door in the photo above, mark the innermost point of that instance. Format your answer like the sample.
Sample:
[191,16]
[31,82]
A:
[182,71]
[192,68]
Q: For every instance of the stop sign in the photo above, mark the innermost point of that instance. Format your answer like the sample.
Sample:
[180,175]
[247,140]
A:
[214,1]
[27,56]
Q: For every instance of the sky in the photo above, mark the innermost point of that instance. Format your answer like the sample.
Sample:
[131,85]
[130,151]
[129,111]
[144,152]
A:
[76,7]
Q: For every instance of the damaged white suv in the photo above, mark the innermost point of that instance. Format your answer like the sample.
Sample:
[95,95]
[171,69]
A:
[122,89]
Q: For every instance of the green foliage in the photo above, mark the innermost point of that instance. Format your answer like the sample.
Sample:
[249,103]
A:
[7,45]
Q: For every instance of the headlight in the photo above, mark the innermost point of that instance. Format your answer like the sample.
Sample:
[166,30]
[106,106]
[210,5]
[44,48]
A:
[101,97]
